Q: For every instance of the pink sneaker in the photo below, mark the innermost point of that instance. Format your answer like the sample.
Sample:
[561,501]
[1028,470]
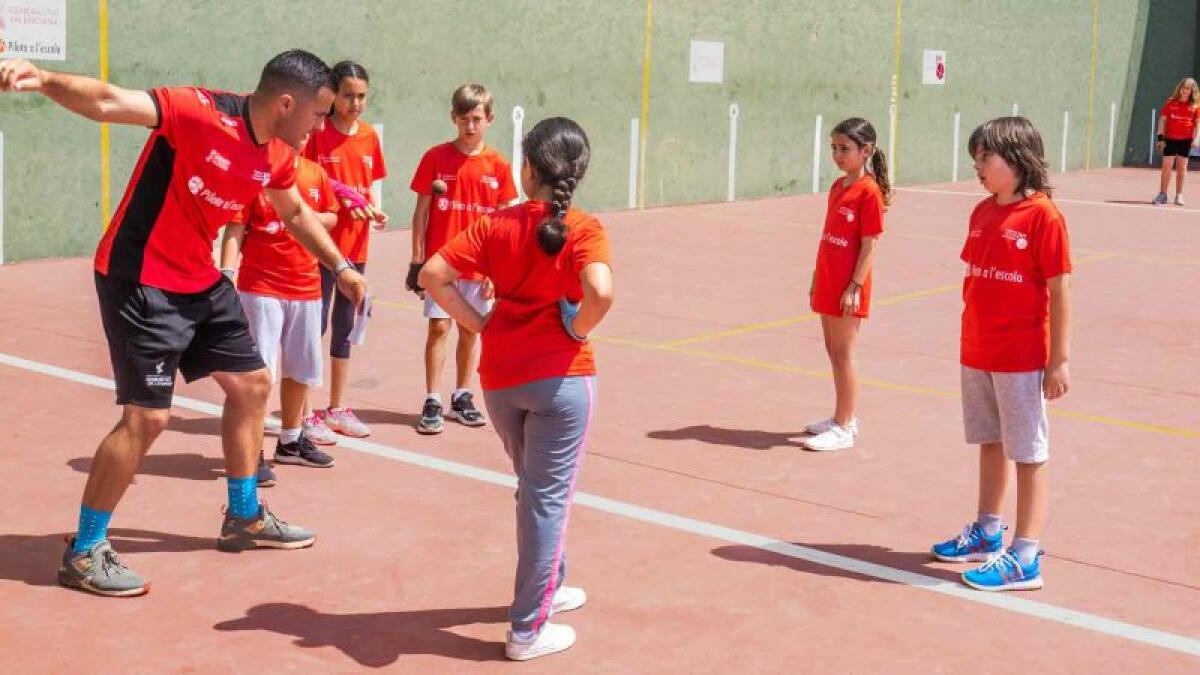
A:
[344,421]
[317,432]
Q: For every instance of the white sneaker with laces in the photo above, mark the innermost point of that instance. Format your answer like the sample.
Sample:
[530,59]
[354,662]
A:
[817,428]
[567,598]
[554,638]
[836,438]
[345,422]
[317,432]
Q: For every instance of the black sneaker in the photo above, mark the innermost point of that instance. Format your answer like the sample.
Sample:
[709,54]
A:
[266,475]
[462,408]
[431,418]
[302,452]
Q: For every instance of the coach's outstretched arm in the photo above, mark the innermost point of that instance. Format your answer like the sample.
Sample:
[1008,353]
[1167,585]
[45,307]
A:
[86,96]
[303,224]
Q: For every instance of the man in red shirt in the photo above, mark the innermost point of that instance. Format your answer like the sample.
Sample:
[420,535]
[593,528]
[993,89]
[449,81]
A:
[164,305]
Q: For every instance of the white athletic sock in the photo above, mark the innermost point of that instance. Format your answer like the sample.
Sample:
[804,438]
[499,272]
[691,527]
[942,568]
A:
[289,435]
[433,395]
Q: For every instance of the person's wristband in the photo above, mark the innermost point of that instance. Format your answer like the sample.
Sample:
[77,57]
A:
[342,267]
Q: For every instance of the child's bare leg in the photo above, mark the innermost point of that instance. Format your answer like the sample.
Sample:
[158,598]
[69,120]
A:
[993,478]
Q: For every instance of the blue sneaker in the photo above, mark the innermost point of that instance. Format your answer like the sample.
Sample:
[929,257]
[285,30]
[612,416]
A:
[972,545]
[1005,573]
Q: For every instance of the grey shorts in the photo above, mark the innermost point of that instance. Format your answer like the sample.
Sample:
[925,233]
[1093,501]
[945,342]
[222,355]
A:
[1007,408]
[288,334]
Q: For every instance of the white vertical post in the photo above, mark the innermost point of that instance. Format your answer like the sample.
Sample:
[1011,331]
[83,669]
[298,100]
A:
[957,124]
[816,170]
[633,161]
[1153,135]
[1112,130]
[1066,123]
[377,186]
[733,127]
[1016,109]
[892,125]
[518,117]
[1,198]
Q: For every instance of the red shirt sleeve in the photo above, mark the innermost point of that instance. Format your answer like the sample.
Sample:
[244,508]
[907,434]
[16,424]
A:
[378,167]
[1053,247]
[870,214]
[590,246]
[283,165]
[508,190]
[467,252]
[422,181]
[178,108]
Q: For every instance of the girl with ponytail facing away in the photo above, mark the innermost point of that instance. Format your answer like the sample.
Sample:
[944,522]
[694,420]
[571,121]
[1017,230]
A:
[841,282]
[551,267]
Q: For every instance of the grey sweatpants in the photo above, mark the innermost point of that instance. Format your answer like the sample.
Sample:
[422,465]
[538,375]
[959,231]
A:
[543,426]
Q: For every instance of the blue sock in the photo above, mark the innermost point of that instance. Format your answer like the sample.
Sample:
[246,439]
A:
[93,528]
[243,496]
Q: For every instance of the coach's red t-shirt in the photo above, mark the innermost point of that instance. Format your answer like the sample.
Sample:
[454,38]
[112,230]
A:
[1181,119]
[524,339]
[853,213]
[355,160]
[200,167]
[1011,252]
[273,262]
[476,185]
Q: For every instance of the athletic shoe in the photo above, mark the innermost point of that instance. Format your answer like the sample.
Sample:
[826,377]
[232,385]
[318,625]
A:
[266,475]
[1005,573]
[99,571]
[345,422]
[971,545]
[264,529]
[817,428]
[1179,200]
[567,598]
[431,418]
[554,638]
[836,438]
[1160,198]
[462,408]
[317,432]
[302,451]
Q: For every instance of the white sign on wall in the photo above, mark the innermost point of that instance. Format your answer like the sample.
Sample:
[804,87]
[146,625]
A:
[33,29]
[934,71]
[707,63]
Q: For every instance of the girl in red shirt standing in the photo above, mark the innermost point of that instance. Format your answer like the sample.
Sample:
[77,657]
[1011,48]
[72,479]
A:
[550,264]
[1177,135]
[841,283]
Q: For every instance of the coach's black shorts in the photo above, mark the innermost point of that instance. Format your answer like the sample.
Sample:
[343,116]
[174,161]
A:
[1177,147]
[152,333]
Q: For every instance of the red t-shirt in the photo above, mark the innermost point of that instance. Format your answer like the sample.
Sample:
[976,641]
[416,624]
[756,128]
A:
[1181,120]
[476,185]
[524,340]
[1011,252]
[201,165]
[357,162]
[853,213]
[273,262]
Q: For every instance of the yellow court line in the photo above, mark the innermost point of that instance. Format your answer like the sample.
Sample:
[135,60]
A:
[1087,162]
[105,170]
[644,118]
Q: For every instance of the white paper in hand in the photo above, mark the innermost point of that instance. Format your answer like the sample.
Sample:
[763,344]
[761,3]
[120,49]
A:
[358,334]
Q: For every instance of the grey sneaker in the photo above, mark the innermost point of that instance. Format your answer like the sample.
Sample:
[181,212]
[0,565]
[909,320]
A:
[302,451]
[1160,198]
[462,408]
[99,571]
[266,475]
[431,418]
[264,529]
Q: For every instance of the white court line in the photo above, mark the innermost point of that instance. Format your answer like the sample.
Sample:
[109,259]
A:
[1012,603]
[1057,200]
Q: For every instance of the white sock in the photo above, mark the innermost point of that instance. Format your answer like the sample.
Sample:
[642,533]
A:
[434,396]
[289,436]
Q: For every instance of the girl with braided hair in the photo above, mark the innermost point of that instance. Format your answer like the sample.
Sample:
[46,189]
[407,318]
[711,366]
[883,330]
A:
[550,263]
